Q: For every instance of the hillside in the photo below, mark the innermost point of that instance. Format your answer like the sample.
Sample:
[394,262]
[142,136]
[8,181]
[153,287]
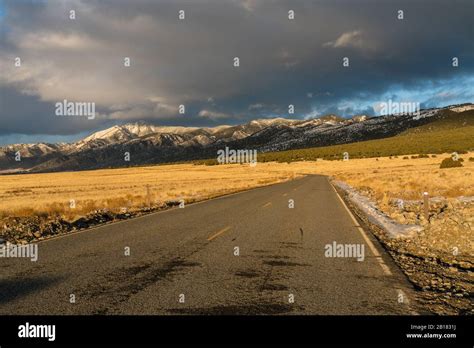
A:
[450,132]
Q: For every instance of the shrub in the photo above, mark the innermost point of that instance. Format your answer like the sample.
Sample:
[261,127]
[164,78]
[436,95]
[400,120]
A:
[450,163]
[471,159]
[405,157]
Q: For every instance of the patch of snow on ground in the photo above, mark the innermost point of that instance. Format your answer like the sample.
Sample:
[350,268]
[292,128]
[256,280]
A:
[392,228]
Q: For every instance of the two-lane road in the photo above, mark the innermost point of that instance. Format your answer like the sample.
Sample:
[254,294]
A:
[247,253]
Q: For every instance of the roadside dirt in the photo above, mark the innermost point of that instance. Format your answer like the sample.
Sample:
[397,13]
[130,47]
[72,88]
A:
[439,259]
[22,230]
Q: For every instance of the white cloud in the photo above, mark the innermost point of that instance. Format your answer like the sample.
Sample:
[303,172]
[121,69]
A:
[49,41]
[286,58]
[314,113]
[354,39]
[212,115]
[256,106]
[248,5]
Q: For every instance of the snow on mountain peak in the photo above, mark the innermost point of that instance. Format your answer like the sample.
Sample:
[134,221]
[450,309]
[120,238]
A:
[359,118]
[272,121]
[462,108]
[133,130]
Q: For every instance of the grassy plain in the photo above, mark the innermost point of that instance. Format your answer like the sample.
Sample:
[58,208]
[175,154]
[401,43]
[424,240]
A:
[51,193]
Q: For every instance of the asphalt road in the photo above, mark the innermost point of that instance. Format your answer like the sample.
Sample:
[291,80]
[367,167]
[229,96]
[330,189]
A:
[281,267]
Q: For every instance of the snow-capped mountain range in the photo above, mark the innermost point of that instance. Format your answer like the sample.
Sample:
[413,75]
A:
[148,144]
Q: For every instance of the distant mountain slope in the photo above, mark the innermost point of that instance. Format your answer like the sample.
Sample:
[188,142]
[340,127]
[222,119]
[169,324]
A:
[447,133]
[148,144]
[315,134]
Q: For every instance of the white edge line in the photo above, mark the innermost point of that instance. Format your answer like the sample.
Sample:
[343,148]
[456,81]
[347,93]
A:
[364,235]
[382,264]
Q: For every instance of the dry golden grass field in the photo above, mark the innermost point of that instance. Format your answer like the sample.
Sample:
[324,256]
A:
[404,178]
[112,189]
[133,188]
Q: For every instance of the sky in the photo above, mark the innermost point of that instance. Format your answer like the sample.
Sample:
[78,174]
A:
[190,61]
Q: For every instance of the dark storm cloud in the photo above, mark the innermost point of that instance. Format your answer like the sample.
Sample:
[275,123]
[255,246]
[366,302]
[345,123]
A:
[189,62]
[38,117]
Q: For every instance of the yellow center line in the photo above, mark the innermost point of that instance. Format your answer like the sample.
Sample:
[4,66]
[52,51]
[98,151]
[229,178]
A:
[218,233]
[267,204]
